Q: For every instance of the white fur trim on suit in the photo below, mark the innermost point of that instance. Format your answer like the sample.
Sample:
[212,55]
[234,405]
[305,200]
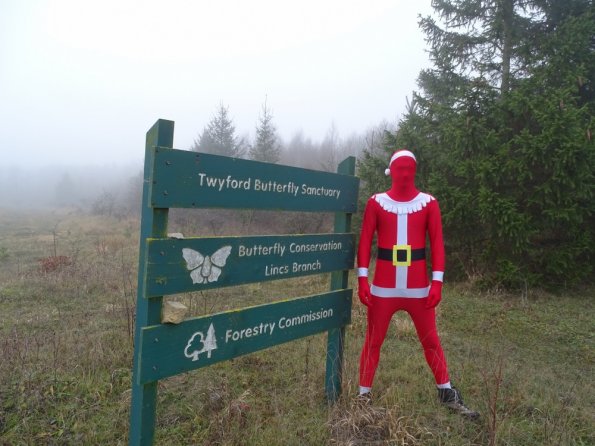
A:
[438,275]
[403,207]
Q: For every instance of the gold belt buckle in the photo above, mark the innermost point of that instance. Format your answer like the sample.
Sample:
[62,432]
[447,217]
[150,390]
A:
[398,259]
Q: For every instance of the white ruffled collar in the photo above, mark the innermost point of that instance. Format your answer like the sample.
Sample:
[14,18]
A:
[403,207]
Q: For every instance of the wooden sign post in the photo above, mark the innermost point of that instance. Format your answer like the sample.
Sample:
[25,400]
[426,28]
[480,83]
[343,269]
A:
[183,179]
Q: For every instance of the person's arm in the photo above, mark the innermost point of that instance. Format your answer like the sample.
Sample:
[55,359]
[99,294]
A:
[437,252]
[363,253]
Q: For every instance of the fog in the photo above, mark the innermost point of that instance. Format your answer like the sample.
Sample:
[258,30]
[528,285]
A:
[81,83]
[76,187]
[115,189]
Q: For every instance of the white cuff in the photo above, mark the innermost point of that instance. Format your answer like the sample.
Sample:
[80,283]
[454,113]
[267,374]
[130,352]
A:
[362,272]
[438,275]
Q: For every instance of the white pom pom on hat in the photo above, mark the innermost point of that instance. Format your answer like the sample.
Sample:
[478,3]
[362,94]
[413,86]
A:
[399,154]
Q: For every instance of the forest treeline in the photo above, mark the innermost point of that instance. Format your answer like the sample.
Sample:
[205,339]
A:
[502,126]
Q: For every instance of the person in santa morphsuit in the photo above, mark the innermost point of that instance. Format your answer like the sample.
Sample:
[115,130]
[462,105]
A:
[401,218]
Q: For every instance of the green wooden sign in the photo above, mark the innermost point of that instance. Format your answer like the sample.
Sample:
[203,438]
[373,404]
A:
[172,349]
[184,179]
[195,264]
[178,178]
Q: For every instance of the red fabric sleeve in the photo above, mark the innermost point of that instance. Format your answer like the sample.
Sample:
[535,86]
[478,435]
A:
[435,235]
[366,235]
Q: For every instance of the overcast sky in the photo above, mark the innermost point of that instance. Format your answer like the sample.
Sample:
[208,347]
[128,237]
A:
[82,81]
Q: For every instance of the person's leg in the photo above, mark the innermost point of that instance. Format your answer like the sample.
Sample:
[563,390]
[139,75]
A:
[379,316]
[425,325]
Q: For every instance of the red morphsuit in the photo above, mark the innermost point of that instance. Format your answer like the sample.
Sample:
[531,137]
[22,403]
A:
[401,217]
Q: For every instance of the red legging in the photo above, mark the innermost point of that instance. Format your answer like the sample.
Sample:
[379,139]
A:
[379,316]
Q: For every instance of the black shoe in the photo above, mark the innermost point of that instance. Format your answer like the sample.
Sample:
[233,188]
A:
[363,399]
[452,399]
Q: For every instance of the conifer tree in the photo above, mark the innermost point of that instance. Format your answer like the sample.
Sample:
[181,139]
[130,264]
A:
[266,146]
[219,137]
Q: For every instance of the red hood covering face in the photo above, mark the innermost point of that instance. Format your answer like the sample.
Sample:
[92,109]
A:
[402,173]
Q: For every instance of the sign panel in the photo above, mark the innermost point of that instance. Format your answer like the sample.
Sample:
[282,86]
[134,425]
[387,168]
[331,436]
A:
[166,350]
[184,179]
[194,264]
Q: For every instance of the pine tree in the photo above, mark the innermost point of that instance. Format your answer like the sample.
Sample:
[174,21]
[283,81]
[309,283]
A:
[490,40]
[266,146]
[219,138]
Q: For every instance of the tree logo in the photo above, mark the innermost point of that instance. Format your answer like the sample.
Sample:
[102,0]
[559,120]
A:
[204,269]
[193,348]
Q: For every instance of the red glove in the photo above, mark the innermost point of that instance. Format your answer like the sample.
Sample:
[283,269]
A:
[435,294]
[363,291]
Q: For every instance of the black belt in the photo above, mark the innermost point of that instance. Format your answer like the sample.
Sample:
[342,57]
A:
[387,254]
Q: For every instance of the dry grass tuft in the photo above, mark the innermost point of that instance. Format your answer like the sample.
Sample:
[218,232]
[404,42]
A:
[228,418]
[54,263]
[371,425]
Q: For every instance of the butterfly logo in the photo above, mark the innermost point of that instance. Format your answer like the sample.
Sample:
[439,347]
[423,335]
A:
[205,269]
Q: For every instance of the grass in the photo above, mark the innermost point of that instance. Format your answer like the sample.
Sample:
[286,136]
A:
[526,363]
